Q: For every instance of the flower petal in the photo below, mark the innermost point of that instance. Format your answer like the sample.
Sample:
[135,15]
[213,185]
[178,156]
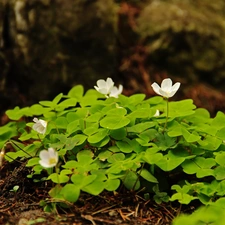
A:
[175,87]
[164,93]
[52,153]
[44,155]
[166,85]
[43,123]
[35,119]
[156,88]
[109,83]
[101,83]
[116,91]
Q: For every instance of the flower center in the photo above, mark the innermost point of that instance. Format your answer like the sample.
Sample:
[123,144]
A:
[52,161]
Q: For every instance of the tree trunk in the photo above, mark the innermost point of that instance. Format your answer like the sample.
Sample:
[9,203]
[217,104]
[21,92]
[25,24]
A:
[47,46]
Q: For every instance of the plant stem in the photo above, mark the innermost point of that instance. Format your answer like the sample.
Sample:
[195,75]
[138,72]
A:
[13,143]
[167,114]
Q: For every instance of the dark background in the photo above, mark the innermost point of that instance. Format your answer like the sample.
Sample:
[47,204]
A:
[48,46]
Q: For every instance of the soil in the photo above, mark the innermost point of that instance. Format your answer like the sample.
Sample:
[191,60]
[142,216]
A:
[22,207]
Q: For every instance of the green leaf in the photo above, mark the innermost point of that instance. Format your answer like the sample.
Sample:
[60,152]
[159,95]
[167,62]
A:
[79,139]
[218,121]
[55,191]
[221,133]
[114,122]
[56,100]
[17,113]
[174,129]
[210,143]
[153,158]
[140,127]
[81,180]
[95,188]
[190,137]
[182,198]
[94,117]
[125,145]
[219,172]
[61,123]
[33,161]
[10,156]
[139,113]
[169,162]
[76,92]
[58,178]
[118,134]
[101,143]
[163,141]
[117,112]
[148,176]
[116,157]
[181,108]
[39,109]
[85,157]
[70,192]
[73,127]
[220,158]
[112,184]
[155,100]
[199,165]
[66,104]
[98,136]
[131,181]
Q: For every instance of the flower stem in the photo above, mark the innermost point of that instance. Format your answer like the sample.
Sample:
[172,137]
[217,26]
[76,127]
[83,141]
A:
[167,114]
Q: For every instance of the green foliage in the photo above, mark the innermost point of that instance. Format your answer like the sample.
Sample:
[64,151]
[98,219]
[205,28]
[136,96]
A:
[212,214]
[104,144]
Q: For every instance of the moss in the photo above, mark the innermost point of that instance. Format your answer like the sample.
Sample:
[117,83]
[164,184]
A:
[185,37]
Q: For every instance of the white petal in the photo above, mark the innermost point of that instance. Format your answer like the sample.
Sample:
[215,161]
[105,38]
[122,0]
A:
[116,91]
[164,93]
[166,85]
[120,89]
[35,120]
[175,87]
[103,91]
[109,83]
[44,155]
[53,153]
[101,83]
[156,88]
[44,163]
[43,123]
[157,113]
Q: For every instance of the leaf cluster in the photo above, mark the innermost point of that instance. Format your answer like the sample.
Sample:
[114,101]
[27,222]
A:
[104,144]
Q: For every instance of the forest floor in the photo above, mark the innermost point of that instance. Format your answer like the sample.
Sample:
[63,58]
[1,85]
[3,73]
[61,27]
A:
[22,207]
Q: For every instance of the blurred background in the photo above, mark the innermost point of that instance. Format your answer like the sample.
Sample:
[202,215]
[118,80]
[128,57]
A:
[48,46]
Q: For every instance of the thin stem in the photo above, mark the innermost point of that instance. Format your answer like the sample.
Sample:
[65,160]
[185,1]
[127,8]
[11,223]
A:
[13,143]
[57,174]
[167,114]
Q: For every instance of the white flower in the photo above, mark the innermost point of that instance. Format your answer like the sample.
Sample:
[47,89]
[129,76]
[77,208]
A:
[157,113]
[116,91]
[40,126]
[104,87]
[48,158]
[166,90]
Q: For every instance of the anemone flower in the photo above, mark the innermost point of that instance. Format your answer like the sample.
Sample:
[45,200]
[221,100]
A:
[115,92]
[104,87]
[40,125]
[48,158]
[166,90]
